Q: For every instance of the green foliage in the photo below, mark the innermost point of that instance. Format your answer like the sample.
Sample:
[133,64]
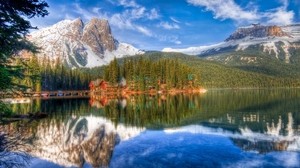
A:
[216,75]
[145,73]
[255,59]
[259,62]
[112,72]
[168,111]
[5,80]
[60,77]
[13,28]
[4,111]
[295,54]
[94,73]
[153,112]
[30,70]
[49,76]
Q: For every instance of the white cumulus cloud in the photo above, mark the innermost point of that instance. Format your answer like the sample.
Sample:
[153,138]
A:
[128,3]
[120,22]
[144,30]
[225,9]
[228,9]
[280,17]
[153,14]
[169,26]
[124,20]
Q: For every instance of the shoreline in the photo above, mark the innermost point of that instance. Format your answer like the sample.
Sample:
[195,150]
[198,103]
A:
[253,88]
[150,92]
[119,92]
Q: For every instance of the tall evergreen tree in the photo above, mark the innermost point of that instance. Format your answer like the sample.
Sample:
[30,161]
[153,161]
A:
[144,74]
[13,28]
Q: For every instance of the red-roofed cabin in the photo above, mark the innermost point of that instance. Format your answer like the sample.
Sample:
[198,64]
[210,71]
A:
[91,85]
[104,101]
[97,86]
[103,85]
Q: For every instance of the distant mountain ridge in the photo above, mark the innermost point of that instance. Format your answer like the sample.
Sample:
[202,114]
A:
[80,45]
[257,31]
[280,42]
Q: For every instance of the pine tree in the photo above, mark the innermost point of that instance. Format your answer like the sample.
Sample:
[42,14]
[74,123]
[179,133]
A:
[143,73]
[13,28]
[34,73]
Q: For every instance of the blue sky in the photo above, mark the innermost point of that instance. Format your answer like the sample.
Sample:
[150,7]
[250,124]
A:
[156,24]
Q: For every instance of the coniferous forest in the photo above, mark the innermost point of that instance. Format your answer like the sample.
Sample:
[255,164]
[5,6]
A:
[144,74]
[47,76]
[172,69]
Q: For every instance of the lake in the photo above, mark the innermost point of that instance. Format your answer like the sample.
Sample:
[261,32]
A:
[221,128]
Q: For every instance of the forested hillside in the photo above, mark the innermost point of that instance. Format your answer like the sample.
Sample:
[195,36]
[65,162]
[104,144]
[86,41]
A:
[170,68]
[255,60]
[46,76]
[216,75]
[143,73]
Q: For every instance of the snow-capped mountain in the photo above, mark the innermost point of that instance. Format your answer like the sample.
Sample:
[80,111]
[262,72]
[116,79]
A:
[79,44]
[282,42]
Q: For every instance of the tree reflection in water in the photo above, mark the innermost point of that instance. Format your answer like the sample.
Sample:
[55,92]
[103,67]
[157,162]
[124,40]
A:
[82,131]
[153,112]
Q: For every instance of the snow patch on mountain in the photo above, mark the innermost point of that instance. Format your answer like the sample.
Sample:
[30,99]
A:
[79,44]
[268,43]
[199,50]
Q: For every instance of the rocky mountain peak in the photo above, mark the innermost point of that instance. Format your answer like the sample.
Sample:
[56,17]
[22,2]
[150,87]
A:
[276,31]
[75,29]
[78,23]
[280,42]
[80,45]
[257,31]
[97,34]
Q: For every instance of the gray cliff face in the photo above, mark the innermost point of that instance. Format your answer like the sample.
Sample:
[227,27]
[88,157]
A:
[78,44]
[257,31]
[97,35]
[75,29]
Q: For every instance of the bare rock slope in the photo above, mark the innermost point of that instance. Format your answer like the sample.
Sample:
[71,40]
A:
[80,45]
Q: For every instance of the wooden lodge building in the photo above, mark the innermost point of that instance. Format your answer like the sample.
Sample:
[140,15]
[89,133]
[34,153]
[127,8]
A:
[101,86]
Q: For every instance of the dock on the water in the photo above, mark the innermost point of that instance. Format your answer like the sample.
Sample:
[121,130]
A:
[47,94]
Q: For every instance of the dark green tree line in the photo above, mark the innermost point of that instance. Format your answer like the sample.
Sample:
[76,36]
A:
[47,75]
[30,69]
[145,73]
[60,77]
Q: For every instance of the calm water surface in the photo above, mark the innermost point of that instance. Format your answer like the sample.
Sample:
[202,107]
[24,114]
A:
[221,128]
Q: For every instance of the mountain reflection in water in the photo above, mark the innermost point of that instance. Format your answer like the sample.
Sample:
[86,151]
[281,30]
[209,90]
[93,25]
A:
[118,132]
[77,141]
